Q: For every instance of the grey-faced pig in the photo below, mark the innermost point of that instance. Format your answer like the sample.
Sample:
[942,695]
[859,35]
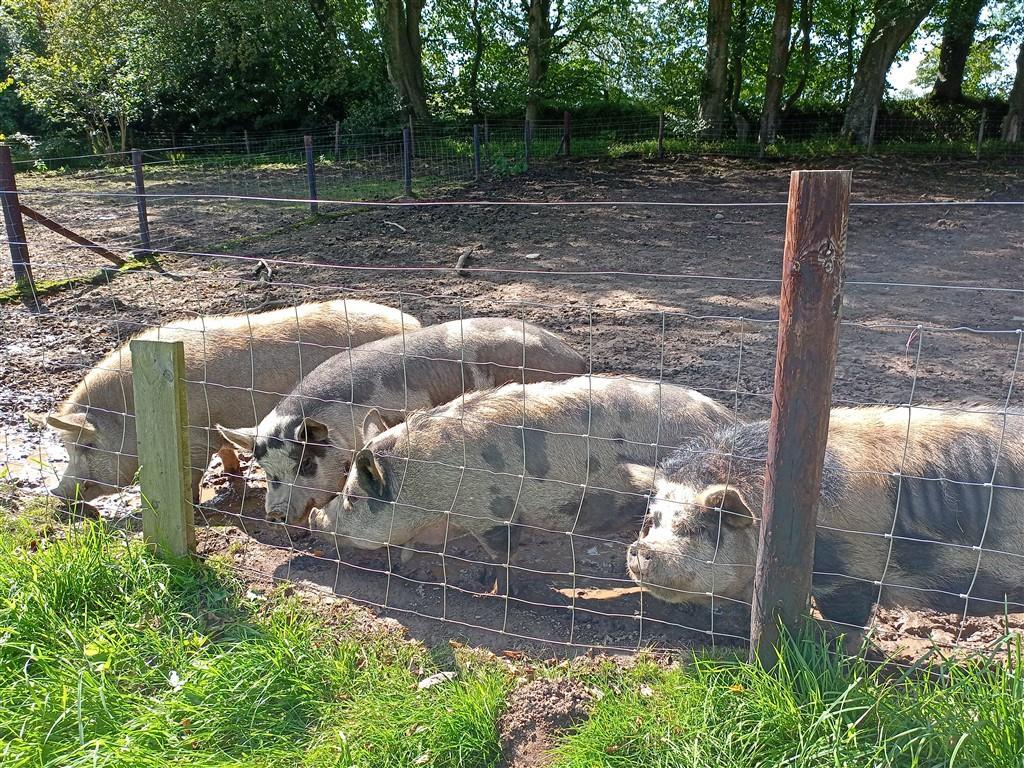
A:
[305,444]
[945,484]
[553,455]
[237,368]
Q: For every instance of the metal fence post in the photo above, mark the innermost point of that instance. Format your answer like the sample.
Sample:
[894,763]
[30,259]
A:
[476,152]
[809,309]
[407,160]
[14,227]
[412,138]
[981,132]
[661,136]
[311,174]
[140,200]
[567,132]
[161,426]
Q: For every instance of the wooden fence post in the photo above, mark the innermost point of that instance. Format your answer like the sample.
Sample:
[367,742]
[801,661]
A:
[337,140]
[407,160]
[809,309]
[661,136]
[310,174]
[567,132]
[140,200]
[161,427]
[14,227]
[526,144]
[871,128]
[476,152]
[246,135]
[981,132]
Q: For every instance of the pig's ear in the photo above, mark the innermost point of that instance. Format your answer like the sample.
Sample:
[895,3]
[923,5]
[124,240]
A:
[243,439]
[369,472]
[373,425]
[312,431]
[727,498]
[74,423]
[640,477]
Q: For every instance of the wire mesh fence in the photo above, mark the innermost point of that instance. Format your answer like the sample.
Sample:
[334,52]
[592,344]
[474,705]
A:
[605,498]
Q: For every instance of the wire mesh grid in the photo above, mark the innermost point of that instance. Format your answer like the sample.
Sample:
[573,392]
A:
[940,535]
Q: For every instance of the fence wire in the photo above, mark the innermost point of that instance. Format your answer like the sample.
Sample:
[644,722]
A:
[924,518]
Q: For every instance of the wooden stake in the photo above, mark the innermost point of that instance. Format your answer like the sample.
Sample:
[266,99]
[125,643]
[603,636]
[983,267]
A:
[311,174]
[407,160]
[161,426]
[140,200]
[661,136]
[72,236]
[809,309]
[14,227]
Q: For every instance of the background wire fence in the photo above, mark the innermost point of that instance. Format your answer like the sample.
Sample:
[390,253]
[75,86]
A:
[712,330]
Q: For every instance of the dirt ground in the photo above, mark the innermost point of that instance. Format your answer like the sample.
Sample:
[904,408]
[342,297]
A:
[934,298]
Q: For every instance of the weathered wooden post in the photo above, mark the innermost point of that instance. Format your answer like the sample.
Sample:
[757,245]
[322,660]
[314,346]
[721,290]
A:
[871,128]
[567,132]
[412,138]
[407,160]
[981,132]
[14,227]
[661,136]
[337,140]
[476,152]
[809,309]
[161,427]
[140,200]
[245,133]
[527,135]
[314,207]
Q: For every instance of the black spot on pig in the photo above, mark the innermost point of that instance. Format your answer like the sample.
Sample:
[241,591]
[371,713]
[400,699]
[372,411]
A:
[501,507]
[538,463]
[493,458]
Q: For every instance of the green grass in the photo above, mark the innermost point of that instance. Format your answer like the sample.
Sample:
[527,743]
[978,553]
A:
[111,657]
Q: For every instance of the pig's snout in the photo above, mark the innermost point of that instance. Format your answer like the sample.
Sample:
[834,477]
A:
[639,558]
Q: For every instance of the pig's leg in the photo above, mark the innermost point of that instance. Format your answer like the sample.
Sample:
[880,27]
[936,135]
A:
[229,462]
[500,544]
[846,607]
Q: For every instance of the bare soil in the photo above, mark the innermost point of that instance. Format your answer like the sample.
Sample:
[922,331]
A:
[687,294]
[536,713]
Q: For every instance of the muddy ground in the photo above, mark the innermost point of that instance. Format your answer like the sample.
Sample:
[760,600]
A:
[683,293]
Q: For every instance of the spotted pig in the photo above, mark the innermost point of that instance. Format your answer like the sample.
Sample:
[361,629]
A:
[947,485]
[237,368]
[552,455]
[305,444]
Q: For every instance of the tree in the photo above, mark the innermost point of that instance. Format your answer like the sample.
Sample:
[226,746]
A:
[1013,123]
[806,58]
[716,68]
[957,39]
[539,39]
[399,22]
[777,65]
[893,23]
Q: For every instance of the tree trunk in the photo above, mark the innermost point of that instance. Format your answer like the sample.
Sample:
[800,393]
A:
[538,53]
[400,25]
[716,69]
[1013,123]
[851,34]
[957,39]
[478,54]
[776,78]
[806,20]
[738,49]
[894,23]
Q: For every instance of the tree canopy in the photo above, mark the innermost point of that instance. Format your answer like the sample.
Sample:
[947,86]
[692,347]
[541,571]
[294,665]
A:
[102,67]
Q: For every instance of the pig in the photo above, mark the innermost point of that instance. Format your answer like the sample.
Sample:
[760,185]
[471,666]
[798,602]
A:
[237,368]
[305,444]
[516,455]
[942,500]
